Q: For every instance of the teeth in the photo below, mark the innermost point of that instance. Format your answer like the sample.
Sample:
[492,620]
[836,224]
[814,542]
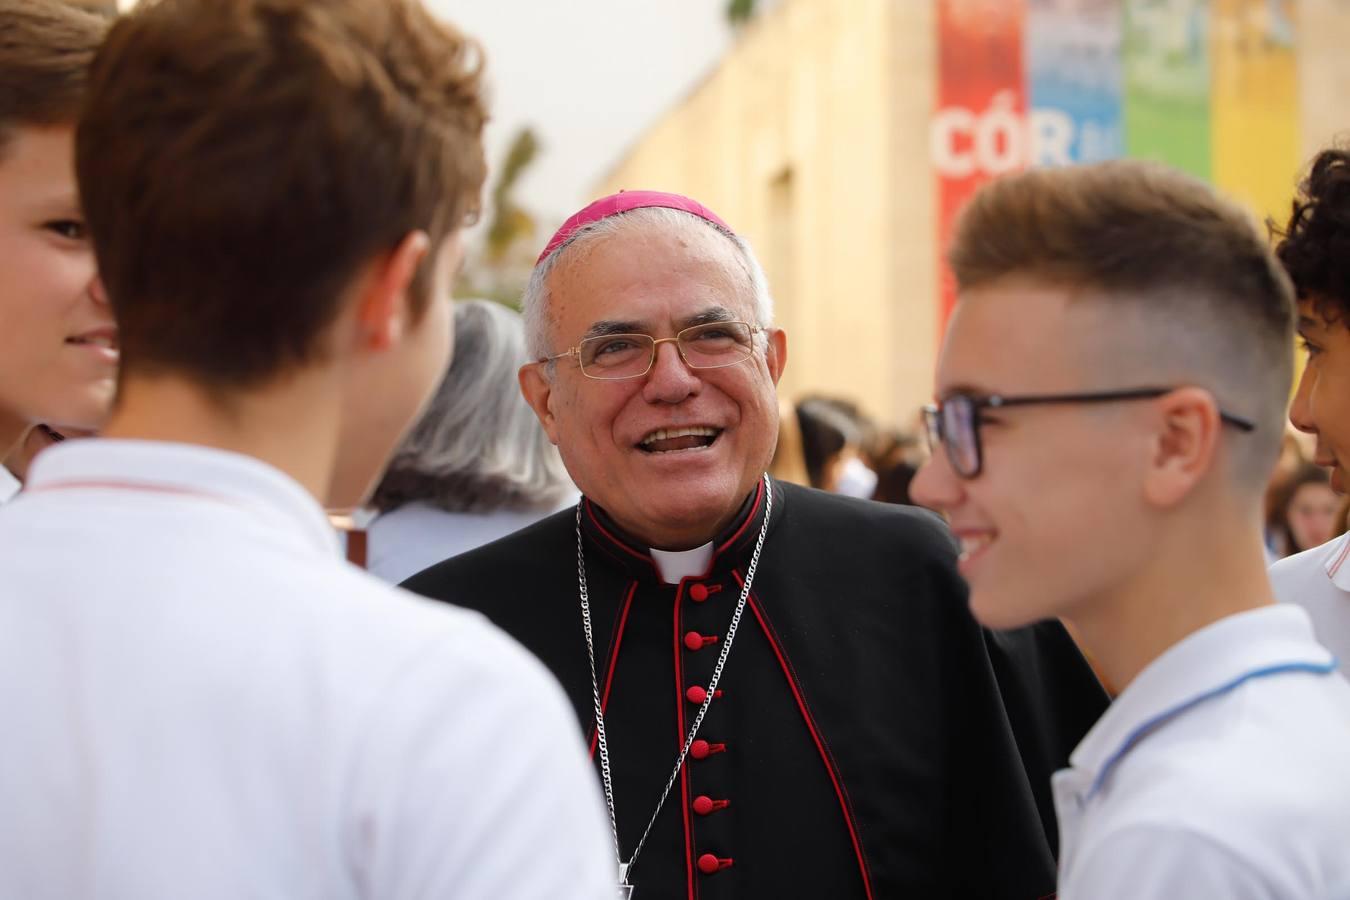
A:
[663,434]
[972,544]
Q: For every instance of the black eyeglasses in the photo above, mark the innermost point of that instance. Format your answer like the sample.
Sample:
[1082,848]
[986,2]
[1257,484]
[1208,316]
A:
[955,421]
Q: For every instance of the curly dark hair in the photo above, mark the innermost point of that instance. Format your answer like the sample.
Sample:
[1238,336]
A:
[1314,246]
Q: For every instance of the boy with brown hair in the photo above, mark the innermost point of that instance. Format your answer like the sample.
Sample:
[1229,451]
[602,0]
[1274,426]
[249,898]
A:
[1111,394]
[211,703]
[58,344]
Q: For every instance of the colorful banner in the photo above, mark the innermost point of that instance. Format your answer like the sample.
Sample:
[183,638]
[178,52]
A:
[979,128]
[1254,98]
[1166,74]
[1207,86]
[1074,81]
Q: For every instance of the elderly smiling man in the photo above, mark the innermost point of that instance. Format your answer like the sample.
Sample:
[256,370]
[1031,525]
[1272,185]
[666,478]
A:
[784,690]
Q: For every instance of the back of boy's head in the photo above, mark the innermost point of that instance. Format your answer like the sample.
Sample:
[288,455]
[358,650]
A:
[1314,245]
[46,47]
[240,161]
[1193,292]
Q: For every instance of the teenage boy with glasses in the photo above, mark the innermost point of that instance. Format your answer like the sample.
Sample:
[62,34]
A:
[1111,396]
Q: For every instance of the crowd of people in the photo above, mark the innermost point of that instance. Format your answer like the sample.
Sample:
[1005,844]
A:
[654,636]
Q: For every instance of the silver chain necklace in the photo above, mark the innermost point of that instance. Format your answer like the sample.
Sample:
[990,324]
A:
[625,868]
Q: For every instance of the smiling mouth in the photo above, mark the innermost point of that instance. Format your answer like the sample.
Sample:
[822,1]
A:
[104,341]
[973,544]
[678,440]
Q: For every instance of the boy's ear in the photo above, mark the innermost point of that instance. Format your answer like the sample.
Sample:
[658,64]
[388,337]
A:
[382,311]
[1184,446]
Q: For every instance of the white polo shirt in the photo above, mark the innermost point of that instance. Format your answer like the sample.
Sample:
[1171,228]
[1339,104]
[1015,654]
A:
[1222,771]
[201,700]
[9,485]
[1319,581]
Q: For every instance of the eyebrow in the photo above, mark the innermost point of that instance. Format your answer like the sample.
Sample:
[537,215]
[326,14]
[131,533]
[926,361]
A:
[618,326]
[611,326]
[969,390]
[1305,323]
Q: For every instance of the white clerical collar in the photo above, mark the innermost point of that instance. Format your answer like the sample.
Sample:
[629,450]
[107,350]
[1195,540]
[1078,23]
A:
[676,565]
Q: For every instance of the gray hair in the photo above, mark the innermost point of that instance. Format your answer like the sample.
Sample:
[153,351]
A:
[534,303]
[478,447]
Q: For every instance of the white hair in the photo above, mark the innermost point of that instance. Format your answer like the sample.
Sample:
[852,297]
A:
[534,303]
[478,447]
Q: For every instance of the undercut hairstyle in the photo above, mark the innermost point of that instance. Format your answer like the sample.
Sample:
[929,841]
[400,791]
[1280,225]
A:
[1314,245]
[1200,297]
[241,161]
[478,447]
[534,303]
[46,48]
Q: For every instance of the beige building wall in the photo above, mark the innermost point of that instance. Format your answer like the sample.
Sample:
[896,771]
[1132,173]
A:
[796,141]
[1323,73]
[811,139]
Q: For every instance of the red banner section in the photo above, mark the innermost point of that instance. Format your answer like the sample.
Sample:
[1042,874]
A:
[979,128]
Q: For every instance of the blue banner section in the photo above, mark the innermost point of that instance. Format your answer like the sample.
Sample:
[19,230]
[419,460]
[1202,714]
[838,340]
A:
[1073,71]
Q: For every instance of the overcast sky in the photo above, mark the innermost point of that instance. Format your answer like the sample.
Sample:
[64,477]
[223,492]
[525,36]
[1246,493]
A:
[590,76]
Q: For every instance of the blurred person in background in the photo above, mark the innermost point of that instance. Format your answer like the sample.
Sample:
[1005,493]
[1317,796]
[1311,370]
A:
[1314,247]
[477,465]
[788,463]
[866,738]
[1304,511]
[833,442]
[895,459]
[1111,398]
[201,698]
[58,342]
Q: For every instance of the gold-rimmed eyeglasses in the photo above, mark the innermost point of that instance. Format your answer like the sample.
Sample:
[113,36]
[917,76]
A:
[712,345]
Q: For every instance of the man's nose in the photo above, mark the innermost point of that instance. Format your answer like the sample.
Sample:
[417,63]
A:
[670,379]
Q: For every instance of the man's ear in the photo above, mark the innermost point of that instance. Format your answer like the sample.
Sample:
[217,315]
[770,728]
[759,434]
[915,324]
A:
[1184,446]
[537,388]
[382,310]
[775,354]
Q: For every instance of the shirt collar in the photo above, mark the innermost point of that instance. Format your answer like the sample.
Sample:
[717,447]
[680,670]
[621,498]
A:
[676,565]
[186,471]
[731,548]
[9,485]
[1206,664]
[1334,561]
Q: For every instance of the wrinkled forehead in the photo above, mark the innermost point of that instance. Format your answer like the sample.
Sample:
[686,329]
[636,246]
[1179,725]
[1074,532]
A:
[649,274]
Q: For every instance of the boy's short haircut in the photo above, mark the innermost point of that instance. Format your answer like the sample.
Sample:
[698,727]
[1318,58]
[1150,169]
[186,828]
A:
[1314,245]
[240,160]
[46,47]
[1201,298]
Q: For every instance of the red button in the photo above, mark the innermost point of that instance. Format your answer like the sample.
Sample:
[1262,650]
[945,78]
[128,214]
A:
[708,864]
[695,641]
[698,694]
[698,593]
[703,804]
[701,749]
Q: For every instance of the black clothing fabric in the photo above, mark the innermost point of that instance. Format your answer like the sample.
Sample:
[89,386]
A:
[870,740]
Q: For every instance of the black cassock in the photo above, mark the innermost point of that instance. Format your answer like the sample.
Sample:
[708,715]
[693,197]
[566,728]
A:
[870,740]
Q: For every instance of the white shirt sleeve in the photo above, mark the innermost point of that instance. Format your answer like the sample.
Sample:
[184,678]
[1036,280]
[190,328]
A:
[1157,862]
[472,783]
